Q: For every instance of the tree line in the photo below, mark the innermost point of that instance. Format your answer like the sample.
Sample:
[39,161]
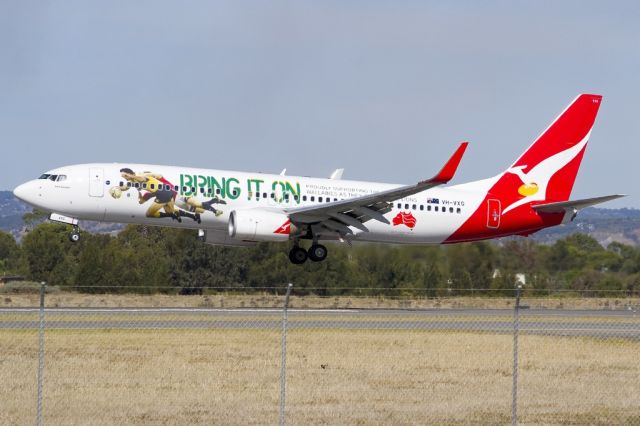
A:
[161,260]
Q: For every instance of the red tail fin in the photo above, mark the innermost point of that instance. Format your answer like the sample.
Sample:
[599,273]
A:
[548,168]
[545,173]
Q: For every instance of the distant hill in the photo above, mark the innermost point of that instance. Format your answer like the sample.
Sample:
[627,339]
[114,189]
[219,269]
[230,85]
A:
[605,225]
[12,210]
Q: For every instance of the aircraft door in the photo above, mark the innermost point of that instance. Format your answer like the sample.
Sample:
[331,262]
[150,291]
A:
[494,210]
[96,181]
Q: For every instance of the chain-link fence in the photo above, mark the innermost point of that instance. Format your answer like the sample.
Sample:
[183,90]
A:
[244,358]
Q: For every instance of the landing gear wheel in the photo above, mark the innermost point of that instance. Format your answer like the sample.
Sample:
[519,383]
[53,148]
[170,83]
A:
[317,253]
[298,255]
[74,236]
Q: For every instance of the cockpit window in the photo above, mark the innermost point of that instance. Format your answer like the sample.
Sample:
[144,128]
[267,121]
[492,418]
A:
[44,176]
[61,178]
[53,177]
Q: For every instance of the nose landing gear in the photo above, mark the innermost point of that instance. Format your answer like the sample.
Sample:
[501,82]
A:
[74,235]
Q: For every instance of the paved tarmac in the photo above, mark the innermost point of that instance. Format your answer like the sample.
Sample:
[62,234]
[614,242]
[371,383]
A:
[588,323]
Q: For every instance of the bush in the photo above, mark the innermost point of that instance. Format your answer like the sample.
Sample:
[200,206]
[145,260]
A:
[26,287]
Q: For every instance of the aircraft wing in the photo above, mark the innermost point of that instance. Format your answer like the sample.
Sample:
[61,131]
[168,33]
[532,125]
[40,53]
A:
[564,206]
[339,215]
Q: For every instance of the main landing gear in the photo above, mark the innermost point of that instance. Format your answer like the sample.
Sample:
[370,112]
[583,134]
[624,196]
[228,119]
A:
[316,253]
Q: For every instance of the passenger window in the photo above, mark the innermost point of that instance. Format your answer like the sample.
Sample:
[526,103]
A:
[421,207]
[406,206]
[428,208]
[399,206]
[435,208]
[144,186]
[63,177]
[201,190]
[176,188]
[450,209]
[319,199]
[218,191]
[458,210]
[335,199]
[193,190]
[313,198]
[304,198]
[209,190]
[264,195]
[414,207]
[235,192]
[152,186]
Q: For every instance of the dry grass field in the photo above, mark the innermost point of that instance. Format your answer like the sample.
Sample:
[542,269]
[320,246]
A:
[363,377]
[64,299]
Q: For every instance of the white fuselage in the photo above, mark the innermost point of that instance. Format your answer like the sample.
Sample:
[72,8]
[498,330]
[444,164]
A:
[87,192]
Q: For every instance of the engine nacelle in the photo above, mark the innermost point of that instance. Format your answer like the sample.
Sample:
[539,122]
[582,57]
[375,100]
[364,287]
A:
[259,225]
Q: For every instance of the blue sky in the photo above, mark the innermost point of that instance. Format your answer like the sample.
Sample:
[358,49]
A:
[384,89]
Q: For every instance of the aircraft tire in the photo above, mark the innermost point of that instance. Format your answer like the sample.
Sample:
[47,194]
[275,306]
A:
[298,255]
[317,253]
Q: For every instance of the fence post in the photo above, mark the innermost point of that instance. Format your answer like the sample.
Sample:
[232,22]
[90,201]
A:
[283,363]
[40,354]
[516,326]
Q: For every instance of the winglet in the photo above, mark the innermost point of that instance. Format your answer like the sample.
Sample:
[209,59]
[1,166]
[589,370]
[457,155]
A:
[337,174]
[449,169]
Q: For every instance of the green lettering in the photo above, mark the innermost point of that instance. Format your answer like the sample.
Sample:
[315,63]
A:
[186,181]
[295,192]
[233,192]
[250,187]
[278,192]
[215,186]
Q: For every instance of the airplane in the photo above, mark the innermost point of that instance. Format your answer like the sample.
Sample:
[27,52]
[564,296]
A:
[233,208]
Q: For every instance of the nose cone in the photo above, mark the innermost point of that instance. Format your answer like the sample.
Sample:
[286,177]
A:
[22,192]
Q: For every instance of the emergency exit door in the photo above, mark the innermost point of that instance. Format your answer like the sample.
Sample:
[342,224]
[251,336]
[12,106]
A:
[96,181]
[494,210]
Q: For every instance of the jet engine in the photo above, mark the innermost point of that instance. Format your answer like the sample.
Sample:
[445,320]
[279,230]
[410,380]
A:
[259,225]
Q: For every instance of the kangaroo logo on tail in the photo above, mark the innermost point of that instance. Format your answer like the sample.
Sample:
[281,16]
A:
[535,181]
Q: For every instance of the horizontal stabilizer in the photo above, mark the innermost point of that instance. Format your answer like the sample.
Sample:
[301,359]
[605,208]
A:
[564,206]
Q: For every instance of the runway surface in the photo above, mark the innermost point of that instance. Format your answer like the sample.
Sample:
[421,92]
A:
[588,323]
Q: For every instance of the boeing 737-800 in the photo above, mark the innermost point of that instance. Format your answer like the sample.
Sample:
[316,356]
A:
[237,209]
